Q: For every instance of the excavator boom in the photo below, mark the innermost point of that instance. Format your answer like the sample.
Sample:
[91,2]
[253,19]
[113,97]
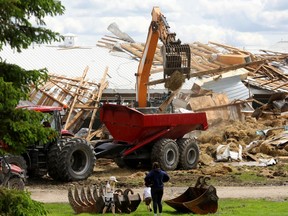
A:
[176,56]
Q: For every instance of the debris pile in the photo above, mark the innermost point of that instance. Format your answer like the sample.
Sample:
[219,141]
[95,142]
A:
[264,141]
[79,96]
[212,60]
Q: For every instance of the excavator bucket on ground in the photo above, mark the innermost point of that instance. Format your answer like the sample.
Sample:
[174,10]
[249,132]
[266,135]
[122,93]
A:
[176,57]
[91,200]
[127,201]
[200,199]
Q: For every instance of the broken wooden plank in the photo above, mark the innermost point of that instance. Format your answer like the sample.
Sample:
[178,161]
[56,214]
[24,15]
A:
[103,85]
[207,47]
[207,72]
[75,98]
[132,50]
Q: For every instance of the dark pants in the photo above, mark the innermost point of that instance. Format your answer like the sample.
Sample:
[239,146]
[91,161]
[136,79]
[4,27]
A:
[157,194]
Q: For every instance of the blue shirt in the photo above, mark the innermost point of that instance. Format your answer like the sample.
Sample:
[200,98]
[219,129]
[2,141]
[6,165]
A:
[156,178]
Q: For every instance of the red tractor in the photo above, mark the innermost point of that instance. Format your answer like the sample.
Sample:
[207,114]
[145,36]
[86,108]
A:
[67,159]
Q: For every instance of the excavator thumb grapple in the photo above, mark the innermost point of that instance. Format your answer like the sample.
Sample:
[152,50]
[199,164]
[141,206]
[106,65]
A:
[200,199]
[91,200]
[176,57]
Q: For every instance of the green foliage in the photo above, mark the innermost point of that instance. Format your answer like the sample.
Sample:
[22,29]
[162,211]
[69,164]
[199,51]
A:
[23,129]
[22,23]
[17,17]
[14,202]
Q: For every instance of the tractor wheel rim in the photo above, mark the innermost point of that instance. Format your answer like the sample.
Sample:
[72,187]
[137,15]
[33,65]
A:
[79,161]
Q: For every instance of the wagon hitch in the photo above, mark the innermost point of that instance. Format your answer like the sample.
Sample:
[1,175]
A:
[91,200]
[200,199]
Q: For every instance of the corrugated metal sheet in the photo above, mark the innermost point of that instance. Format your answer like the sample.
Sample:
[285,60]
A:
[231,86]
[280,46]
[71,62]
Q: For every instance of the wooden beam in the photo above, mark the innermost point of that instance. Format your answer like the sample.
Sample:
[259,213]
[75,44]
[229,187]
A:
[202,49]
[75,98]
[70,79]
[207,47]
[277,72]
[207,72]
[223,105]
[234,49]
[132,50]
[103,85]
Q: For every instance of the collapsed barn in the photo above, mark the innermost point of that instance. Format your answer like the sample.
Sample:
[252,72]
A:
[227,83]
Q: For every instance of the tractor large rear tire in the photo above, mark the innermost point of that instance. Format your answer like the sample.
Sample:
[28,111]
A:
[76,160]
[19,161]
[166,152]
[53,157]
[189,153]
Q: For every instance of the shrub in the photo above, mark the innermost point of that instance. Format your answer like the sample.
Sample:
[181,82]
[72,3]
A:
[19,203]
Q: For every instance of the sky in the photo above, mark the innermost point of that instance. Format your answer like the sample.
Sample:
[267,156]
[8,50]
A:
[240,23]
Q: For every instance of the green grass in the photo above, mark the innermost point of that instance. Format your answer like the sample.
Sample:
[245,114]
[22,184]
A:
[250,177]
[226,207]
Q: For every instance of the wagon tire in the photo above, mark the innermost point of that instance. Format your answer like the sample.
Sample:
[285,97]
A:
[189,153]
[76,160]
[166,152]
[127,163]
[120,162]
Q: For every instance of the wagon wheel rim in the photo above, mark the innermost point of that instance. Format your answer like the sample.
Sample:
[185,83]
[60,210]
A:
[170,156]
[191,156]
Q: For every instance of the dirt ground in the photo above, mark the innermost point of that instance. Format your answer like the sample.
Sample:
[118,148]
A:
[227,184]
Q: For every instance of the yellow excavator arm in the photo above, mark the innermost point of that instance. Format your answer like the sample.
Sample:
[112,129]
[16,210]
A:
[176,57]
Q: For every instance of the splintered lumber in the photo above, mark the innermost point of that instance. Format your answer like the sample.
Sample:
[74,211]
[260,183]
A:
[277,72]
[207,47]
[75,97]
[207,72]
[63,91]
[199,53]
[280,86]
[50,96]
[201,49]
[233,49]
[81,115]
[167,102]
[132,50]
[103,85]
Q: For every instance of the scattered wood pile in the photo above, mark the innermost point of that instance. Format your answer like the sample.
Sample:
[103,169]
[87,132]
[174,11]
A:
[80,96]
[214,59]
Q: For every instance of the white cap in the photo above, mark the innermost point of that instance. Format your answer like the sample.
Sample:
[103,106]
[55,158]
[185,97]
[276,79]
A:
[113,178]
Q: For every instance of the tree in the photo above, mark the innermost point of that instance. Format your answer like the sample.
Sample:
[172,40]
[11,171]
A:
[20,128]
